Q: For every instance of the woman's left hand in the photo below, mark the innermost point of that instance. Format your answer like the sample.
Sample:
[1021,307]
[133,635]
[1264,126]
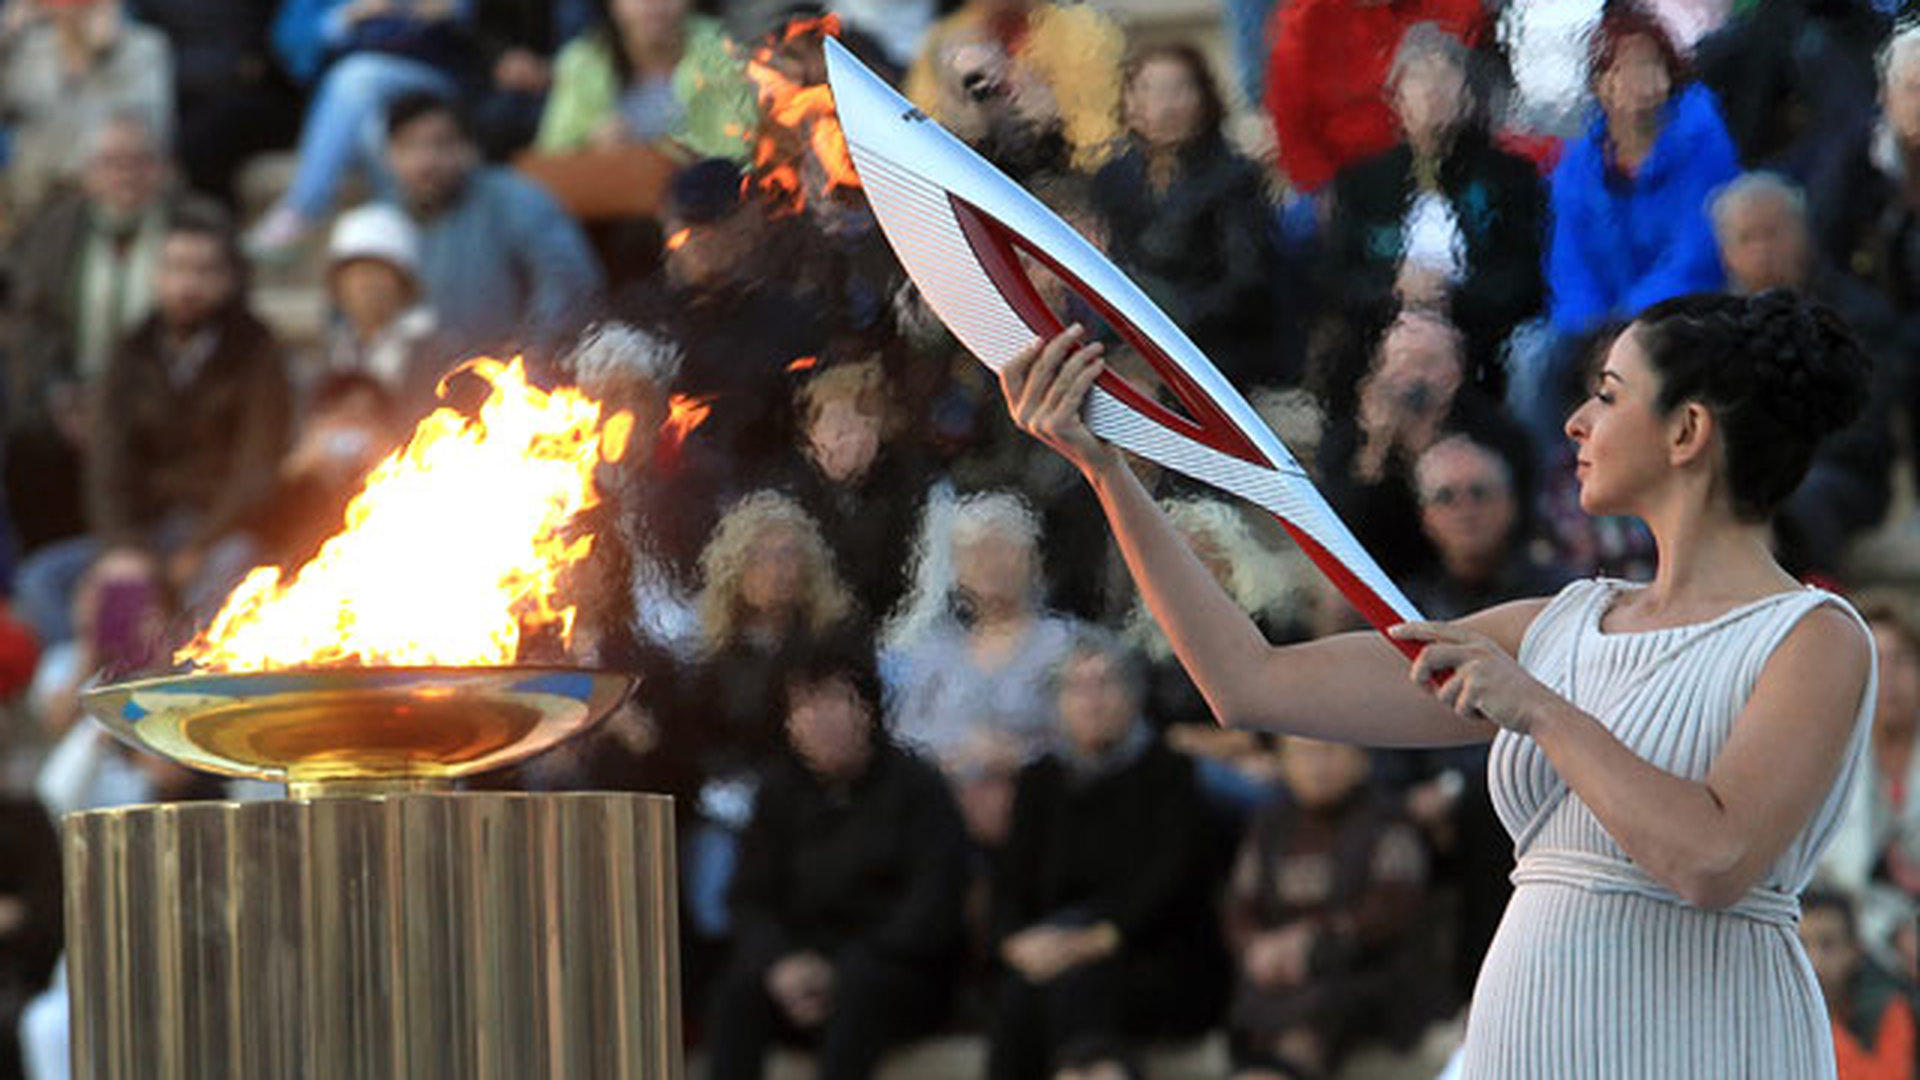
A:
[1480,680]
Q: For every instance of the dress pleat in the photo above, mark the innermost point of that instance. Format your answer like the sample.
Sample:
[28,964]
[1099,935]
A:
[1598,971]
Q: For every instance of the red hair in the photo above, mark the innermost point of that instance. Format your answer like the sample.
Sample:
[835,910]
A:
[1620,23]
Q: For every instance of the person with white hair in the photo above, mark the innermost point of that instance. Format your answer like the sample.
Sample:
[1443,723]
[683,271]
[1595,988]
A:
[979,662]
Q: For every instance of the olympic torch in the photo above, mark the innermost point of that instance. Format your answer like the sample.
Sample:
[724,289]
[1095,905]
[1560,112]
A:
[959,227]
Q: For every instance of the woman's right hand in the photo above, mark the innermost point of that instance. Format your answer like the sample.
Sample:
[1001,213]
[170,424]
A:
[1045,386]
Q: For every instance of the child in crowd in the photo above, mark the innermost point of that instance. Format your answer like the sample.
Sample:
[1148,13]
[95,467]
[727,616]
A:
[1324,912]
[1873,1023]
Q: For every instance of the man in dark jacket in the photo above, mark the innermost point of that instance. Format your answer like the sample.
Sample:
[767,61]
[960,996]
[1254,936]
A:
[79,274]
[1101,903]
[846,900]
[1445,218]
[189,422]
[194,408]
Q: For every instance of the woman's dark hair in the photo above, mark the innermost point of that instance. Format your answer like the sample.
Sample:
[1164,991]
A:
[1213,108]
[844,651]
[1778,373]
[1621,22]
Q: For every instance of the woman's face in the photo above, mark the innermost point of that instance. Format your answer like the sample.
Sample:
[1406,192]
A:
[1096,706]
[1897,706]
[1637,84]
[1164,105]
[1619,432]
[774,578]
[1430,99]
[843,441]
[649,20]
[1322,773]
[996,568]
[830,727]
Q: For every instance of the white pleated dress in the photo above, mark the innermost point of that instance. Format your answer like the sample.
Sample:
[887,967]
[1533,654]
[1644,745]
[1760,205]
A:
[1598,972]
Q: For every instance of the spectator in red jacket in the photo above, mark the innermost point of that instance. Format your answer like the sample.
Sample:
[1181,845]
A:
[1326,78]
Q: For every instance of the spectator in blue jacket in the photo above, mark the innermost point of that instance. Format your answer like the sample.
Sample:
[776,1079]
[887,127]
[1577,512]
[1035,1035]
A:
[503,265]
[1629,199]
[1629,209]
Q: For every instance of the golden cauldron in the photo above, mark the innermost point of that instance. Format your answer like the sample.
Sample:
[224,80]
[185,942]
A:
[376,923]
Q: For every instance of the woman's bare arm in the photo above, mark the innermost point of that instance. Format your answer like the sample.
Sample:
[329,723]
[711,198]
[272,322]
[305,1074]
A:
[1350,688]
[1709,840]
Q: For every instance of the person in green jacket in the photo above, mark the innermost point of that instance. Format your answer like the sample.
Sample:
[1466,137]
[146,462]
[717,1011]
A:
[651,71]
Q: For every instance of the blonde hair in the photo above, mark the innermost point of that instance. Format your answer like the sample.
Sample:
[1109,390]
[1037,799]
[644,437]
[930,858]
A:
[863,384]
[1258,579]
[723,564]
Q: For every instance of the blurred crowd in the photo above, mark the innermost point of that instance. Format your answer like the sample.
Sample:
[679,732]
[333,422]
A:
[935,769]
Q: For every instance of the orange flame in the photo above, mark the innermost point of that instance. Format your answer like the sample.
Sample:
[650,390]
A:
[827,25]
[678,240]
[684,413]
[455,545]
[804,363]
[799,123]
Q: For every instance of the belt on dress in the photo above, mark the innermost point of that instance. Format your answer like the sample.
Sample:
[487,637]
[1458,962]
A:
[1603,874]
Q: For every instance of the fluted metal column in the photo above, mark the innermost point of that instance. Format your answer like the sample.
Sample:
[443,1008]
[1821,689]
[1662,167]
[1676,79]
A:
[411,937]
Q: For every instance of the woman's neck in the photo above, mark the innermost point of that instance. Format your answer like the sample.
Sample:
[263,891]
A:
[1708,559]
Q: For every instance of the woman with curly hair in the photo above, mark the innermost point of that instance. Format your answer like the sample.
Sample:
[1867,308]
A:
[1670,759]
[769,580]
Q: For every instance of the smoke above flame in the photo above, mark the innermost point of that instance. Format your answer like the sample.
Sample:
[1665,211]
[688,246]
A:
[455,547]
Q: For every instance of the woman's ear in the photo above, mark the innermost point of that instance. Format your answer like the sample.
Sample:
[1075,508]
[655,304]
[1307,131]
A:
[1690,433]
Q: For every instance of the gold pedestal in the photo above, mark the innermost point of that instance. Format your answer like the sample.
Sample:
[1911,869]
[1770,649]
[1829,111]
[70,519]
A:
[411,937]
[377,926]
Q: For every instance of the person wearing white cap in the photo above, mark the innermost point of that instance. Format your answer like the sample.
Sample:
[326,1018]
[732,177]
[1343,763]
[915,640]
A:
[382,322]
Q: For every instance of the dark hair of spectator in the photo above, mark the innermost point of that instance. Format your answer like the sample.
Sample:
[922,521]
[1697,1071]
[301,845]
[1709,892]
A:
[1821,899]
[420,104]
[1213,108]
[1621,22]
[1778,374]
[841,652]
[203,217]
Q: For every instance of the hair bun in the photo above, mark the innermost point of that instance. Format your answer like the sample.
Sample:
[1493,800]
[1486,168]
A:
[1808,370]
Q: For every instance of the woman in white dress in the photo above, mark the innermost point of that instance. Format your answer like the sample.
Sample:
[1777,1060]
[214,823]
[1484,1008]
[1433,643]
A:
[1670,758]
